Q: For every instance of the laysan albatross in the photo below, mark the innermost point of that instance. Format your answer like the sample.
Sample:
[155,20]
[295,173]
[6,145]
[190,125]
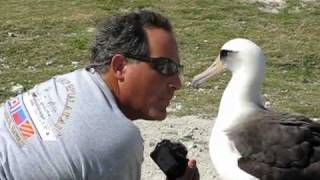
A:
[248,141]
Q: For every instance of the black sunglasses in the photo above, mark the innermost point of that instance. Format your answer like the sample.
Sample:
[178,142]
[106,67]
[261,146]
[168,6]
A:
[163,65]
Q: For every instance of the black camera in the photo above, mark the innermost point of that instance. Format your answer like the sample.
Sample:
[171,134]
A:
[171,157]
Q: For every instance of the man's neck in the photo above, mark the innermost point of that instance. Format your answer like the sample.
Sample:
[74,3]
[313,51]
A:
[112,84]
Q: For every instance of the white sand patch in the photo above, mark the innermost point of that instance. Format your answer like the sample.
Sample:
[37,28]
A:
[192,131]
[307,1]
[274,6]
[270,6]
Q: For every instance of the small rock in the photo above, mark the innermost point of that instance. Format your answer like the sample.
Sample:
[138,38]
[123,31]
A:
[151,144]
[74,62]
[200,90]
[48,63]
[32,68]
[267,103]
[191,146]
[90,29]
[178,106]
[188,135]
[6,66]
[18,88]
[284,91]
[71,35]
[11,34]
[187,84]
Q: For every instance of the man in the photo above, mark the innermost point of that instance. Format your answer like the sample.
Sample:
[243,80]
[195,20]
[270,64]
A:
[79,125]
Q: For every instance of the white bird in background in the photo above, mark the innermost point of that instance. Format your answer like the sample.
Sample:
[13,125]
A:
[248,141]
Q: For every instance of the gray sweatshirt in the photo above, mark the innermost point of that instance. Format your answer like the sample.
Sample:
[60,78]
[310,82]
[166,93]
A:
[68,127]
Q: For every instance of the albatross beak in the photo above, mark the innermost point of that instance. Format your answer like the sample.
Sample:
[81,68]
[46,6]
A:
[215,69]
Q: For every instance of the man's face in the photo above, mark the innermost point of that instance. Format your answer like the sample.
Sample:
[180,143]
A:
[144,92]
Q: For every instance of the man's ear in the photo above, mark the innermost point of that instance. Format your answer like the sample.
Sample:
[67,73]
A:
[117,66]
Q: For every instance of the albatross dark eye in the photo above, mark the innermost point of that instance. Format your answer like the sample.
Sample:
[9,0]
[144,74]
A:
[224,53]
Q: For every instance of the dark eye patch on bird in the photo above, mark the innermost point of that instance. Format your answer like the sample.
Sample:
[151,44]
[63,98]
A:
[224,53]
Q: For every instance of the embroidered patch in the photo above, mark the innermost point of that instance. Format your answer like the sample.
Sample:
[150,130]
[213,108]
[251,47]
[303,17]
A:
[26,129]
[19,116]
[18,121]
[15,133]
[14,104]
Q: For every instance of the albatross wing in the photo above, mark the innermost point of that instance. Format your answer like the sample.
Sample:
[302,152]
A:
[278,146]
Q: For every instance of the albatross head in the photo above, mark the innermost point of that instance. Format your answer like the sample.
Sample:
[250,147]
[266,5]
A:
[237,55]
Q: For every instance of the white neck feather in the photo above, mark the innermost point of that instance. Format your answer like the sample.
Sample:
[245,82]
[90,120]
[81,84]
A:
[241,97]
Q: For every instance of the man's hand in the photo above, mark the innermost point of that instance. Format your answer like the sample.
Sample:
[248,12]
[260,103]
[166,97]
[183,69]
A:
[192,172]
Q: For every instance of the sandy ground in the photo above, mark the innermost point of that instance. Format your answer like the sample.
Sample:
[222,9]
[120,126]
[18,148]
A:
[192,131]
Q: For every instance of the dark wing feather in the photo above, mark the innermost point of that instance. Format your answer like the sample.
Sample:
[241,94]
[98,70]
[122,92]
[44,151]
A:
[277,146]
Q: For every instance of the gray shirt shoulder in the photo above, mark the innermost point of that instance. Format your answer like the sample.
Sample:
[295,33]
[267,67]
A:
[68,127]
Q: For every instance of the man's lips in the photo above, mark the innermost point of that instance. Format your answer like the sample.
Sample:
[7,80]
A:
[166,98]
[166,101]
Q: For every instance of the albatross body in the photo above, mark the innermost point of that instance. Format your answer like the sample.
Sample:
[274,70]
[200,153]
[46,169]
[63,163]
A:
[249,142]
